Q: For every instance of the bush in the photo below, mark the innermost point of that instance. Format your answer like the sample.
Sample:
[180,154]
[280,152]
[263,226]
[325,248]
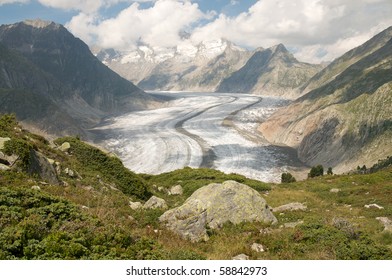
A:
[7,124]
[21,148]
[329,172]
[111,168]
[316,171]
[287,178]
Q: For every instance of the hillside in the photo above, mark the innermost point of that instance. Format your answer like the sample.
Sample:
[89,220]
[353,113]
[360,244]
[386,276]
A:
[272,71]
[45,62]
[346,121]
[69,200]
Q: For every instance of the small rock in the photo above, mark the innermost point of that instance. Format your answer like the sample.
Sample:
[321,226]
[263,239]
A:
[290,207]
[266,231]
[69,172]
[334,190]
[176,190]
[154,203]
[51,161]
[135,205]
[88,188]
[4,167]
[241,257]
[37,188]
[161,189]
[387,223]
[85,207]
[374,206]
[132,219]
[65,147]
[257,247]
[293,224]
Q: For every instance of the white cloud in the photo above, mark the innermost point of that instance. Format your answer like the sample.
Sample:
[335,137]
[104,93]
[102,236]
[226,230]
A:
[87,6]
[326,26]
[159,25]
[3,2]
[319,30]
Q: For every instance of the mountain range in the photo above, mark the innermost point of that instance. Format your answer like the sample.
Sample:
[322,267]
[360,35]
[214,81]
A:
[344,119]
[52,81]
[216,65]
[341,116]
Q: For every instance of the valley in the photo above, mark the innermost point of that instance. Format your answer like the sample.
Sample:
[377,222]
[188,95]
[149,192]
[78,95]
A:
[200,130]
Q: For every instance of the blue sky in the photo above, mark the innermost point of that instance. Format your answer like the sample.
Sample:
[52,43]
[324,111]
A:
[315,30]
[15,11]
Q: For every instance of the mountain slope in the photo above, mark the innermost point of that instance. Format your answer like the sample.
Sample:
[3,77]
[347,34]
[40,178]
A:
[61,68]
[347,121]
[272,71]
[185,67]
[342,63]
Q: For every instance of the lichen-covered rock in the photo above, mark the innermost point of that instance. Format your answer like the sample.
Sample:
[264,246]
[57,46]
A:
[257,247]
[387,223]
[135,205]
[155,203]
[213,205]
[295,206]
[176,190]
[241,257]
[65,147]
[188,220]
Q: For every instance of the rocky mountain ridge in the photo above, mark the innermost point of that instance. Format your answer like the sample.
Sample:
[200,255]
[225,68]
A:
[345,121]
[216,65]
[44,62]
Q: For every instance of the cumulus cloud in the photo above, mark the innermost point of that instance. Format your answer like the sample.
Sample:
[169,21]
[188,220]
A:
[317,30]
[328,27]
[3,2]
[159,25]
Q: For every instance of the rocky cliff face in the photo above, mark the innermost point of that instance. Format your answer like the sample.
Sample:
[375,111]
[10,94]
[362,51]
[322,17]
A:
[46,62]
[346,120]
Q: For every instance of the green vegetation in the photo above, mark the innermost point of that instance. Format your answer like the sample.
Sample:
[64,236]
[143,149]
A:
[316,171]
[88,215]
[110,167]
[287,178]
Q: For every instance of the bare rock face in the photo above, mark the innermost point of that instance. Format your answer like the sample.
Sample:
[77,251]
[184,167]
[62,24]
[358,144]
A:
[213,205]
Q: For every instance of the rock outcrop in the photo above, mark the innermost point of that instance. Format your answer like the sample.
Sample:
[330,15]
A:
[40,165]
[213,205]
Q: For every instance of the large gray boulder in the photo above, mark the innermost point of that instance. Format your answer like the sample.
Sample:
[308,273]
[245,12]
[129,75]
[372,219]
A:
[40,165]
[212,206]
